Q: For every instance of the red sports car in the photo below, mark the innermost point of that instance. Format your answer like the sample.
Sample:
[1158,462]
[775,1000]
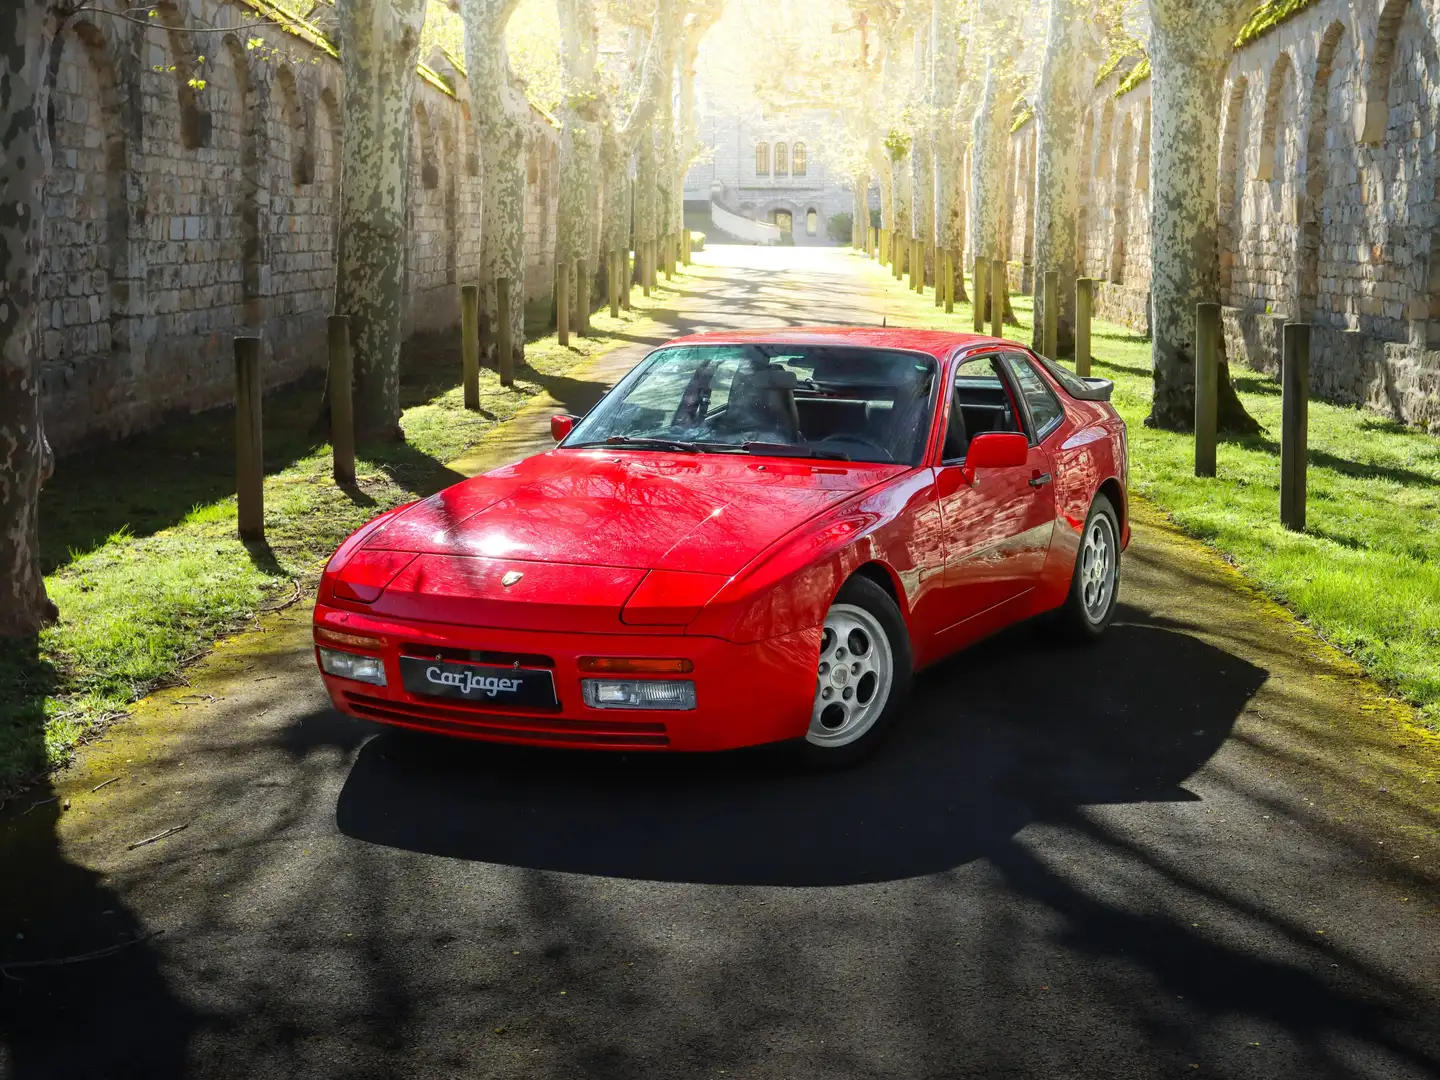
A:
[753,537]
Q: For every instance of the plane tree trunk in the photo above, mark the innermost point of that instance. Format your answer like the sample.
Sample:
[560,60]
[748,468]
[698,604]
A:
[27,28]
[579,142]
[1190,46]
[501,117]
[379,47]
[1064,83]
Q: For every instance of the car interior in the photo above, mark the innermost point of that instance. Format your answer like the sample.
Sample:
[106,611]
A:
[848,401]
[981,401]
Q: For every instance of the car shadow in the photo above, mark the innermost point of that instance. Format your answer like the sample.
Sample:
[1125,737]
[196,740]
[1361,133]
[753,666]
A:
[1014,731]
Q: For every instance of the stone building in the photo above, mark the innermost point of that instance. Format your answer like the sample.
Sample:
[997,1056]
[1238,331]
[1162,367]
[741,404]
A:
[769,168]
[1329,199]
[193,199]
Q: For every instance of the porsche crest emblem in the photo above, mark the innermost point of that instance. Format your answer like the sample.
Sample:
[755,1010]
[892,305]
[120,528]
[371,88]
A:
[511,577]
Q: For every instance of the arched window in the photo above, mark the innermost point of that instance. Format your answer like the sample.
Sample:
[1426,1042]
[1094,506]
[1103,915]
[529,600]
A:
[762,159]
[812,222]
[781,166]
[797,159]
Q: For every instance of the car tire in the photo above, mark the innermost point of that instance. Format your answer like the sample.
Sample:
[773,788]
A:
[1095,582]
[849,717]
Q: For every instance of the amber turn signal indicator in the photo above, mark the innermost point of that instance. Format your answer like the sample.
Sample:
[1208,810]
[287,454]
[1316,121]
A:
[355,641]
[634,665]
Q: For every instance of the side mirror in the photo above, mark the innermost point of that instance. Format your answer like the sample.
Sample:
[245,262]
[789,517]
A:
[995,450]
[561,426]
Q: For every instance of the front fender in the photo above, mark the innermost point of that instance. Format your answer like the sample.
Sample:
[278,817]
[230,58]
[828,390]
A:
[791,585]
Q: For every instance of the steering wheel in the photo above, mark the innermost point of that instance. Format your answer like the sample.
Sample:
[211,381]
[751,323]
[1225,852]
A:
[862,440]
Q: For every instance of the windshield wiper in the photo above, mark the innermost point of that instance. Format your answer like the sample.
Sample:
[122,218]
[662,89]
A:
[636,441]
[802,450]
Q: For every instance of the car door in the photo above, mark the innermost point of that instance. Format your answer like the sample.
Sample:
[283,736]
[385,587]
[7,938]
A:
[996,525]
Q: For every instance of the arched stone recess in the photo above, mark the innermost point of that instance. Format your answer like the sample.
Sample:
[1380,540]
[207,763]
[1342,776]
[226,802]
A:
[180,62]
[1399,193]
[1087,188]
[296,129]
[1313,216]
[85,278]
[1275,89]
[1119,203]
[449,161]
[1372,114]
[1098,252]
[1232,186]
[425,141]
[1276,205]
[1137,252]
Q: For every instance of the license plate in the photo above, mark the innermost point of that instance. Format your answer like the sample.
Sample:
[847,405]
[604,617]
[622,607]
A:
[486,684]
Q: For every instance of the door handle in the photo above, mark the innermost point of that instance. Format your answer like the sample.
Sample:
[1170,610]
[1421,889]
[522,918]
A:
[1039,480]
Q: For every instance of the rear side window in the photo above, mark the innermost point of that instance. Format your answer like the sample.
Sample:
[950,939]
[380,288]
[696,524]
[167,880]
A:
[1045,410]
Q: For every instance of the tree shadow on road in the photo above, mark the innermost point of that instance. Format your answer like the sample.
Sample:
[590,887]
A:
[987,748]
[1009,758]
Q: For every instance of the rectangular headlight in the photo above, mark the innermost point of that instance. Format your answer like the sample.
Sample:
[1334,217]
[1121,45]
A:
[344,665]
[638,693]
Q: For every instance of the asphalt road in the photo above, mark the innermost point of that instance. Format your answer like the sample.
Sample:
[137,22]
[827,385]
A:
[1204,847]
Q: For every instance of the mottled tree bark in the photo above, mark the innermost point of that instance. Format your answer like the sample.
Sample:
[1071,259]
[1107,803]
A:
[27,28]
[859,210]
[579,145]
[945,92]
[705,15]
[501,116]
[990,136]
[659,158]
[1065,79]
[621,137]
[900,198]
[379,46]
[1190,46]
[922,160]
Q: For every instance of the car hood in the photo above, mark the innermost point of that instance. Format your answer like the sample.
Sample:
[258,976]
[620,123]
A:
[700,513]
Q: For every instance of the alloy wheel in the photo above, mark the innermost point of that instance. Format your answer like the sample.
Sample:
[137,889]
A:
[855,676]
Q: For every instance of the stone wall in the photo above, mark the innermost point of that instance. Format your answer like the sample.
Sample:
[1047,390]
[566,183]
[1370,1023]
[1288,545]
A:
[1329,200]
[179,215]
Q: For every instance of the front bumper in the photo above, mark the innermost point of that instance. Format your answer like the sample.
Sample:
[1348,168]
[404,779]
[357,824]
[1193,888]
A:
[745,694]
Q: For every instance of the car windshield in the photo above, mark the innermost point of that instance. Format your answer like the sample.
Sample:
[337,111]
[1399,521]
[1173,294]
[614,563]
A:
[855,404]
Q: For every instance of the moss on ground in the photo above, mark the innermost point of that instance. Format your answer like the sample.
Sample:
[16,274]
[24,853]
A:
[140,550]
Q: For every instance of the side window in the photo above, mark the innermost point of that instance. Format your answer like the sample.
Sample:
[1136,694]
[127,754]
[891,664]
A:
[1045,411]
[979,402]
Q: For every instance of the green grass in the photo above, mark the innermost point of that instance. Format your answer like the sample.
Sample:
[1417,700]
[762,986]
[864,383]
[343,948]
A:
[1365,574]
[139,545]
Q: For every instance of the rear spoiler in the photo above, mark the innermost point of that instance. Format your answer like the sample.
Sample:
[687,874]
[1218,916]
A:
[1095,390]
[1080,387]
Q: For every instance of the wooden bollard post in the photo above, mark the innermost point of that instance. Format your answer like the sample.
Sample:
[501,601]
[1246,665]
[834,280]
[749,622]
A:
[612,291]
[249,440]
[342,401]
[938,255]
[627,278]
[470,344]
[1207,385]
[1084,297]
[504,342]
[562,302]
[1294,424]
[982,289]
[949,281]
[1050,335]
[999,290]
